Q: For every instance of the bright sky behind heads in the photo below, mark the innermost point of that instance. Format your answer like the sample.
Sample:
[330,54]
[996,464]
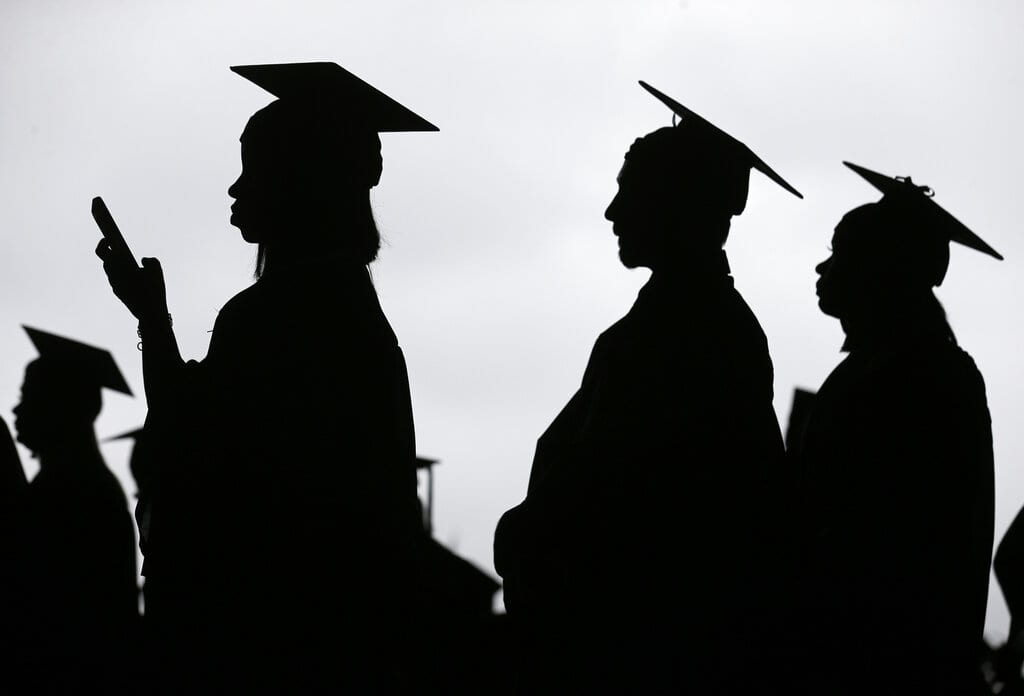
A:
[499,270]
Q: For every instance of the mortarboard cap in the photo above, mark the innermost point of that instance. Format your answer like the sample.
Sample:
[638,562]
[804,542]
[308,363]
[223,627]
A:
[330,86]
[424,463]
[87,363]
[728,146]
[129,435]
[919,203]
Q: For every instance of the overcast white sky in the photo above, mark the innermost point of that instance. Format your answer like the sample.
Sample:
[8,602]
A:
[499,269]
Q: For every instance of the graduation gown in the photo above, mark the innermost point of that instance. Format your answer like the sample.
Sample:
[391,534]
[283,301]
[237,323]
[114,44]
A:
[897,458]
[642,537]
[285,522]
[78,598]
[13,488]
[1008,566]
[1009,570]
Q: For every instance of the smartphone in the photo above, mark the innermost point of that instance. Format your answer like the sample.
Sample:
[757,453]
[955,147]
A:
[110,232]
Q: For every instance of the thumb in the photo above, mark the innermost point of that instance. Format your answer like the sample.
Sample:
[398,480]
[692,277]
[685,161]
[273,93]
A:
[153,266]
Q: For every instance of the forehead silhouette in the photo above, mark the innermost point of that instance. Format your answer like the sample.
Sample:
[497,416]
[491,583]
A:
[884,235]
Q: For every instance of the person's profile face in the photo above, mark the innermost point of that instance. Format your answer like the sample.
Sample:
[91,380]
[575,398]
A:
[254,208]
[635,214]
[30,415]
[292,178]
[850,277]
[54,402]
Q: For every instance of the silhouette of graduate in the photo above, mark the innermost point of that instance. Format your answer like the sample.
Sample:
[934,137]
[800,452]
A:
[75,545]
[12,474]
[1008,565]
[633,562]
[897,457]
[13,487]
[13,483]
[284,521]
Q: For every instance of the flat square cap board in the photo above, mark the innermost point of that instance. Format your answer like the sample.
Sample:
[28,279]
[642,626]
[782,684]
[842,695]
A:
[729,146]
[919,201]
[89,363]
[325,85]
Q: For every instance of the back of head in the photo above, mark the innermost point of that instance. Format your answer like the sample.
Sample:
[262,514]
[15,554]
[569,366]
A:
[701,172]
[894,242]
[315,149]
[881,274]
[888,256]
[909,230]
[694,168]
[312,172]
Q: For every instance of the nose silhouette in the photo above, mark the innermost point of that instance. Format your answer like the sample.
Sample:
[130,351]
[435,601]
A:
[823,266]
[609,213]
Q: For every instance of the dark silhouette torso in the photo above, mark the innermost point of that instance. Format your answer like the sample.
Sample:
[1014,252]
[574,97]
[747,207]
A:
[285,525]
[897,456]
[79,592]
[639,532]
[1008,565]
[13,488]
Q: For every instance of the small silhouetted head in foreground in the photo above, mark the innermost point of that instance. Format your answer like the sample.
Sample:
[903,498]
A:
[678,190]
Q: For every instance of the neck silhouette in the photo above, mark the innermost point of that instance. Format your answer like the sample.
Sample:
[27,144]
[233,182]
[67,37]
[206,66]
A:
[75,449]
[344,228]
[899,320]
[682,261]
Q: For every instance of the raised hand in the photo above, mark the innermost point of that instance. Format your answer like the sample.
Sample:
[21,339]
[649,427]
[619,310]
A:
[142,290]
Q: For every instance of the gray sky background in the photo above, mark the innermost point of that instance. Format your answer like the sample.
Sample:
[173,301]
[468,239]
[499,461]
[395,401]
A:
[499,269]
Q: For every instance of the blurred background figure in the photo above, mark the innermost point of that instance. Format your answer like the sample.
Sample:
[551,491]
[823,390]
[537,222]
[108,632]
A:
[75,555]
[461,637]
[12,473]
[1006,661]
[13,486]
[140,464]
[897,461]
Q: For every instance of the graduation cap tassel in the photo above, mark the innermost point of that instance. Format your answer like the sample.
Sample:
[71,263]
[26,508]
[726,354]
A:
[926,190]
